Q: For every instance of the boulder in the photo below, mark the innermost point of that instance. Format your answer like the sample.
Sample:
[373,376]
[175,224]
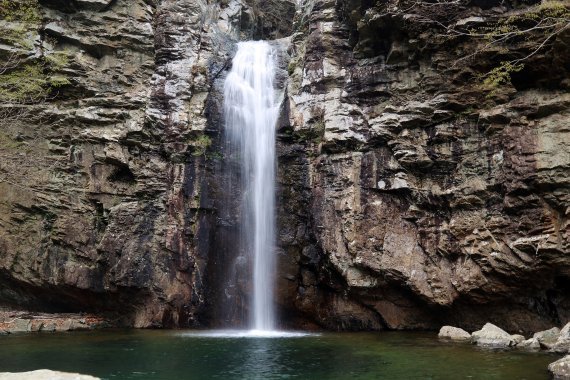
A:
[563,342]
[518,339]
[492,336]
[44,374]
[453,333]
[529,344]
[548,338]
[560,369]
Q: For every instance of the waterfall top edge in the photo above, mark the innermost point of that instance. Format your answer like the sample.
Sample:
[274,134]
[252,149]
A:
[229,334]
[254,42]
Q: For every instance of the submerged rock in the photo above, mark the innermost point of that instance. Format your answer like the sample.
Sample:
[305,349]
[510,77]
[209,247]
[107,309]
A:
[453,333]
[44,374]
[492,336]
[560,369]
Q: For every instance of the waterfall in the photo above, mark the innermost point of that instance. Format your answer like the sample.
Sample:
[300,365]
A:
[251,113]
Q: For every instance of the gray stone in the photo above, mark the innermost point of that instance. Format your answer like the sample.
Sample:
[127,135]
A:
[548,338]
[531,344]
[492,336]
[453,333]
[518,339]
[562,344]
[21,325]
[560,369]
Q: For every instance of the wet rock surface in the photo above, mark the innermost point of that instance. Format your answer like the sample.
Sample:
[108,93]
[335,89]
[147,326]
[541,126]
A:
[409,196]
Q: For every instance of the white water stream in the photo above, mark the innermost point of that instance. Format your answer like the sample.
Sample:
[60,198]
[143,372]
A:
[251,113]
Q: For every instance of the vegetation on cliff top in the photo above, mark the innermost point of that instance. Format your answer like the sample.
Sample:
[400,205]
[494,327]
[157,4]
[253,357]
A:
[534,27]
[507,40]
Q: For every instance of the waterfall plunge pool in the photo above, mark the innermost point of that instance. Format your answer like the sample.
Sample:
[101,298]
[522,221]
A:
[188,354]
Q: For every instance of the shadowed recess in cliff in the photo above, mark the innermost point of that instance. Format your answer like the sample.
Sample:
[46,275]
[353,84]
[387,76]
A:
[266,19]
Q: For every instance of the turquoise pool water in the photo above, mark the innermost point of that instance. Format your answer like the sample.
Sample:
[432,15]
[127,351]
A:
[183,354]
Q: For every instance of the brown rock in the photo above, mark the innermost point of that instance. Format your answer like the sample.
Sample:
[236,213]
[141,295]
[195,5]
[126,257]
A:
[410,196]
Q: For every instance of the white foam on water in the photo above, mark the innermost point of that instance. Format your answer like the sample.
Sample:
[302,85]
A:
[246,334]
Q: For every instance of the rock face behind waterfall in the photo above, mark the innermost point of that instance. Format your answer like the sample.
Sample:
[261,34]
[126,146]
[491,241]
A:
[409,195]
[108,193]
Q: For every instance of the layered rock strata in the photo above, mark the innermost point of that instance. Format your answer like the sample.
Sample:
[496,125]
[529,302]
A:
[105,201]
[22,322]
[411,196]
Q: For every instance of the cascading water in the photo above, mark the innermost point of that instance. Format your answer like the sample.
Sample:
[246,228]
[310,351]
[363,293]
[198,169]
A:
[251,113]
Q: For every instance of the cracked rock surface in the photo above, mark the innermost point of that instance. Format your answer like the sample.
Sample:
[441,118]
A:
[409,196]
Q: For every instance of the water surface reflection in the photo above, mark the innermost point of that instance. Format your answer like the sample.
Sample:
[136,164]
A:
[180,355]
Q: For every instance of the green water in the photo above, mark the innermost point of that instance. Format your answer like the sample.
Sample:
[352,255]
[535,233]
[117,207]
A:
[166,355]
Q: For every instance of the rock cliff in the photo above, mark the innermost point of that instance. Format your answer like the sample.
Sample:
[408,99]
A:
[425,197]
[412,192]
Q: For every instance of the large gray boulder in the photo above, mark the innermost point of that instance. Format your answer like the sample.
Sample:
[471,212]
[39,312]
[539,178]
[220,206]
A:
[492,336]
[44,374]
[548,338]
[453,333]
[560,369]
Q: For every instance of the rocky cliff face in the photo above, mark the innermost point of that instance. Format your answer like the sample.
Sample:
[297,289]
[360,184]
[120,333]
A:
[423,197]
[410,195]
